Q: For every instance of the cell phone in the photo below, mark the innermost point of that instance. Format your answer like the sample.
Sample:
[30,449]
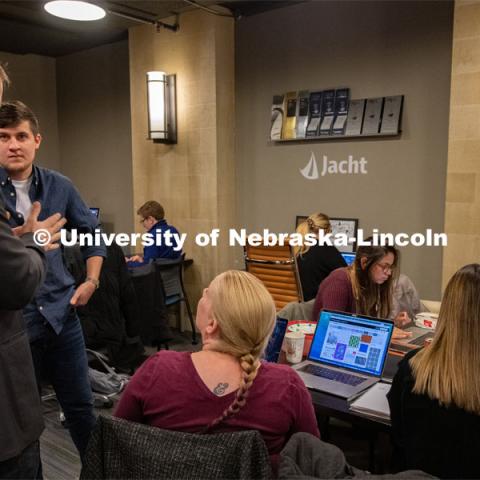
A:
[275,342]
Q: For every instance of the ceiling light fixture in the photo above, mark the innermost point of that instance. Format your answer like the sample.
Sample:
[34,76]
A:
[75,10]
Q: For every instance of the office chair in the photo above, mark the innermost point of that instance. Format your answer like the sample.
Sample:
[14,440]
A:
[171,272]
[276,267]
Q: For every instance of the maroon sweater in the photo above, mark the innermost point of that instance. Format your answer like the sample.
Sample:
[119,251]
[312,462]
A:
[335,293]
[167,392]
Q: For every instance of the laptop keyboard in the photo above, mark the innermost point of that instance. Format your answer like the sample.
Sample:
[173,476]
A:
[421,339]
[330,374]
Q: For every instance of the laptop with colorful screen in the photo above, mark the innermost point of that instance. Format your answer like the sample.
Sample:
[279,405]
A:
[347,354]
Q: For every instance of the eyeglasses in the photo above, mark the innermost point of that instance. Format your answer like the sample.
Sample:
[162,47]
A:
[142,220]
[386,267]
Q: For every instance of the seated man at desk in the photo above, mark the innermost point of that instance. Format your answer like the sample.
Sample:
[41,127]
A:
[152,217]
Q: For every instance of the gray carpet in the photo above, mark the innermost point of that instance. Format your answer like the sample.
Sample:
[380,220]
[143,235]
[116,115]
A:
[60,460]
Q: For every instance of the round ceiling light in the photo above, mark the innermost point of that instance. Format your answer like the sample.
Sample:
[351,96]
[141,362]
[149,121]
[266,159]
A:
[75,10]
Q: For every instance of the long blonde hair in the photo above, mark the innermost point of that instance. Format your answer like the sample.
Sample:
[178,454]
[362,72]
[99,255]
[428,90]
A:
[370,298]
[448,369]
[313,224]
[245,313]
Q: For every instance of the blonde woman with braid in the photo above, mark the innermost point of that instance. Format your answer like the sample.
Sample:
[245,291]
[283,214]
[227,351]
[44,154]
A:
[225,387]
[435,395]
[315,263]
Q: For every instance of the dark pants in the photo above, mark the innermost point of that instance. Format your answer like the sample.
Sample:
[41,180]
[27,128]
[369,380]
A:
[62,361]
[24,466]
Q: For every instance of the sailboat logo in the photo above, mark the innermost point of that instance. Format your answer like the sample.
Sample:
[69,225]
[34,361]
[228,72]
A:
[310,171]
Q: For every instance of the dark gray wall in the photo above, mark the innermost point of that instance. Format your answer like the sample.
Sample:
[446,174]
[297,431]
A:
[376,49]
[34,83]
[95,132]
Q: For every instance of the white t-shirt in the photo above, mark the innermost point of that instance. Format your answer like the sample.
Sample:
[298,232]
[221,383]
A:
[24,204]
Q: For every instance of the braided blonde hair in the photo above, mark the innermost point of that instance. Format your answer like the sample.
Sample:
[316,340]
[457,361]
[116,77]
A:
[245,313]
[313,224]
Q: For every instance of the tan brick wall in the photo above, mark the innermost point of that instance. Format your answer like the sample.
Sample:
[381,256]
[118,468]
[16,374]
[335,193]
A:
[462,212]
[194,180]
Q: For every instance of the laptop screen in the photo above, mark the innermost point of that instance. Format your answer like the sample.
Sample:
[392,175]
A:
[274,346]
[348,257]
[95,211]
[350,341]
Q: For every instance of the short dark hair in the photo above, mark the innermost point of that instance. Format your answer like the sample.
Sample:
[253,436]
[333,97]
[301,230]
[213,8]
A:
[13,113]
[151,209]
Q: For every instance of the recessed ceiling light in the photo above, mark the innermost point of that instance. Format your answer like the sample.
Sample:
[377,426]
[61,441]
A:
[75,10]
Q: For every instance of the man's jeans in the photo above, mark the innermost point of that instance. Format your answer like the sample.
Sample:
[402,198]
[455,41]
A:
[23,466]
[62,361]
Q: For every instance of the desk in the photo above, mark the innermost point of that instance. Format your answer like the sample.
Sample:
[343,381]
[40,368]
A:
[327,405]
[333,406]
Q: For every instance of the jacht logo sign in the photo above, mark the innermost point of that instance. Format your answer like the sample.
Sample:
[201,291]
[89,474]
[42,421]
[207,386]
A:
[334,167]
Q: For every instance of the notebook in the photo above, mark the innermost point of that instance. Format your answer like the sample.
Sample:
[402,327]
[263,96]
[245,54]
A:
[347,354]
[373,402]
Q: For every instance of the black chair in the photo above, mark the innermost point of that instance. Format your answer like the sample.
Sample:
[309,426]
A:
[171,272]
[148,284]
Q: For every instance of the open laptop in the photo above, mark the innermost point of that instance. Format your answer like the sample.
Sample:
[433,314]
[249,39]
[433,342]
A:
[272,352]
[347,354]
[417,340]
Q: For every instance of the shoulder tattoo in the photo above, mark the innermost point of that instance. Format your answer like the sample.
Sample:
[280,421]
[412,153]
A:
[220,389]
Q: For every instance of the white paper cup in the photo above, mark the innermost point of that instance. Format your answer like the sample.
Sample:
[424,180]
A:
[294,346]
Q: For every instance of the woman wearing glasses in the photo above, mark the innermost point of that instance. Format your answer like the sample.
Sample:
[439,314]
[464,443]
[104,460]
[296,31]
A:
[365,287]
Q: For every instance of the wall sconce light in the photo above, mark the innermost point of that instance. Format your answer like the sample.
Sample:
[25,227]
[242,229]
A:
[162,107]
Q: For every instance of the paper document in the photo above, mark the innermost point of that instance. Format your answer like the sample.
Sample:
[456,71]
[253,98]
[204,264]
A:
[373,402]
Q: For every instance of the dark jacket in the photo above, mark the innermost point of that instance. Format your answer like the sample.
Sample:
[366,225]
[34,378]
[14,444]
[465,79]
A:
[306,457]
[111,318]
[21,271]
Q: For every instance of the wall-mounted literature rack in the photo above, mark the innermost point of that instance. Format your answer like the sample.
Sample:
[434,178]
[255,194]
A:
[333,138]
[330,115]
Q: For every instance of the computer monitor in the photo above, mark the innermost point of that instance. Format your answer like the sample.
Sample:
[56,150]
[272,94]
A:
[95,211]
[348,257]
[347,226]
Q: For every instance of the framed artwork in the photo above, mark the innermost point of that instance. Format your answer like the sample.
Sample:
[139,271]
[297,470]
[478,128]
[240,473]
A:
[347,226]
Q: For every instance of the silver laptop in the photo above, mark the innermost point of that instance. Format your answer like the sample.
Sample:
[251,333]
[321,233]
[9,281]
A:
[347,354]
[417,340]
